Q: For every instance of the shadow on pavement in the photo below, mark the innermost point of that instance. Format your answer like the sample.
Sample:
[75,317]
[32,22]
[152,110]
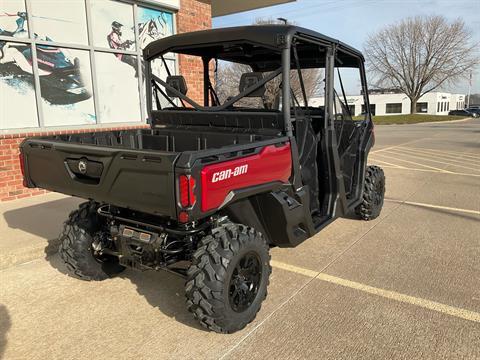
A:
[162,290]
[44,220]
[5,325]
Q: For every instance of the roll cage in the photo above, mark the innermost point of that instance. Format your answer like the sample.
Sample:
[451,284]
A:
[270,49]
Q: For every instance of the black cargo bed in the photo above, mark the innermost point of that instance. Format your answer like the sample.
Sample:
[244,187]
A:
[132,169]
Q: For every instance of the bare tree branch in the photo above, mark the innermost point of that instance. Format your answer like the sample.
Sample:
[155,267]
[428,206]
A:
[421,54]
[228,79]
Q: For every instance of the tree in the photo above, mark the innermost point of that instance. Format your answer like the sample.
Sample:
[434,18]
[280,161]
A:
[420,54]
[228,75]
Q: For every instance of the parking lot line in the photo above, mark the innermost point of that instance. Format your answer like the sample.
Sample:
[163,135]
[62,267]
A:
[388,294]
[456,158]
[414,163]
[426,170]
[468,211]
[395,146]
[457,153]
[391,165]
[424,157]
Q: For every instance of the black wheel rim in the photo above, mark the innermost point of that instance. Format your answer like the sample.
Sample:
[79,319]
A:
[244,283]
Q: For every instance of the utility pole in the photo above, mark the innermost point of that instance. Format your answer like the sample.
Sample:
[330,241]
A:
[469,89]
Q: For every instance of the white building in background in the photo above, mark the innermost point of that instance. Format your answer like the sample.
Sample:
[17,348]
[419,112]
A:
[392,103]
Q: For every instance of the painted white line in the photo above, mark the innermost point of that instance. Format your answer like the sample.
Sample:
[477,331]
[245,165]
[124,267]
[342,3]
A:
[459,153]
[468,211]
[395,146]
[455,158]
[387,294]
[414,163]
[425,170]
[384,162]
[431,160]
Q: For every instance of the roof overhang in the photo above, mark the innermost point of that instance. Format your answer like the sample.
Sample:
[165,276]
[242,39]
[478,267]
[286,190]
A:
[227,7]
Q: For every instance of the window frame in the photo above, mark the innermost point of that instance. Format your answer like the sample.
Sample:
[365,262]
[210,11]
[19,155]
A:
[92,49]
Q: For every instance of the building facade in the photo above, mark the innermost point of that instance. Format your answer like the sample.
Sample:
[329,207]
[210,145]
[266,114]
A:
[76,66]
[434,103]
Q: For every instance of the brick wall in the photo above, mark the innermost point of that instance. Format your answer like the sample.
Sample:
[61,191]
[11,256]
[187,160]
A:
[11,180]
[193,15]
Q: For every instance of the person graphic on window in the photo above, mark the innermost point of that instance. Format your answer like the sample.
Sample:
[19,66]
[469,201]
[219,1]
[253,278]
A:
[115,42]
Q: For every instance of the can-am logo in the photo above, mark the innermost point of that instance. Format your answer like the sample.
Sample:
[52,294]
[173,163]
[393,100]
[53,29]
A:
[228,173]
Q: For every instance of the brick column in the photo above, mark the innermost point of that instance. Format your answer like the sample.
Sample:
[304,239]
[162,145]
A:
[192,16]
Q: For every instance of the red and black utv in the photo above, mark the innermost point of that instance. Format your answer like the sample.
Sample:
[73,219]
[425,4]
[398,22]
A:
[208,188]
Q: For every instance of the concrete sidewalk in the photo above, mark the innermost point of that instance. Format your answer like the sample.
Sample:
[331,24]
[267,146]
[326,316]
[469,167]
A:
[29,227]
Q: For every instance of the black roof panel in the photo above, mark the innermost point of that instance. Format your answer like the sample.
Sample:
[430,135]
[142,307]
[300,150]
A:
[271,36]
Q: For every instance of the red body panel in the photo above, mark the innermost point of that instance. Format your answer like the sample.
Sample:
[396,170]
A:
[271,164]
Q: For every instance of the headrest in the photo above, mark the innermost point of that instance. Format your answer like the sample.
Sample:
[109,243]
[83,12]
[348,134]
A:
[249,79]
[177,82]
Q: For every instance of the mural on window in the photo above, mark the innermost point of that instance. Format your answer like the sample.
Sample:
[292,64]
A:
[64,24]
[153,25]
[17,92]
[13,19]
[64,71]
[112,24]
[117,88]
[65,81]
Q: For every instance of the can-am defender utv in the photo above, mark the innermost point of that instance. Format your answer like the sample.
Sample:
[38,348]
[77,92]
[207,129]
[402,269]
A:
[210,187]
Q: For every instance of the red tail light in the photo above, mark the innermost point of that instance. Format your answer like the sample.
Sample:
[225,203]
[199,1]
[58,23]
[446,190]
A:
[186,186]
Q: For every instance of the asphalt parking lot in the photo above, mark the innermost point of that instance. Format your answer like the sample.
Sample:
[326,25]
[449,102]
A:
[404,286]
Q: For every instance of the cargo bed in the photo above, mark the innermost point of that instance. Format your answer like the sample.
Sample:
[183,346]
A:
[132,169]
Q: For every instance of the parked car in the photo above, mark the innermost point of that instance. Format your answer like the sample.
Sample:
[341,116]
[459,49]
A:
[464,112]
[474,110]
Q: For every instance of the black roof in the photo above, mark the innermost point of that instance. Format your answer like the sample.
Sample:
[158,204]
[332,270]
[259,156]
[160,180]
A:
[270,35]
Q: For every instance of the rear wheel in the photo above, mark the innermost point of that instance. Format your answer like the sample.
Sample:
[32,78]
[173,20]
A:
[79,238]
[373,194]
[228,278]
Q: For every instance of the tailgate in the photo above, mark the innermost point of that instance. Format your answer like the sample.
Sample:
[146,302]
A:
[136,179]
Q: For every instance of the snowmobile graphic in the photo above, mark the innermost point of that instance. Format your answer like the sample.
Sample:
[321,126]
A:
[60,78]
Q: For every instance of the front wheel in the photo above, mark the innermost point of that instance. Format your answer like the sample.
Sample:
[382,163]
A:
[228,278]
[373,194]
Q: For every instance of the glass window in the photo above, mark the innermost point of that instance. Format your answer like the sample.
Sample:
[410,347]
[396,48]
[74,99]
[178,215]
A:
[153,25]
[348,90]
[158,69]
[66,84]
[60,21]
[64,71]
[393,108]
[117,87]
[372,109]
[17,92]
[352,109]
[112,25]
[13,19]
[422,107]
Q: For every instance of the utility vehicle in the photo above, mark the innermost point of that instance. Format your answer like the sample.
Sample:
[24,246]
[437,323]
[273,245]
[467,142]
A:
[209,188]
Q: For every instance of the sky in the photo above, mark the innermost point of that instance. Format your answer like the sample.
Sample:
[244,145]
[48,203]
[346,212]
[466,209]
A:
[351,21]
